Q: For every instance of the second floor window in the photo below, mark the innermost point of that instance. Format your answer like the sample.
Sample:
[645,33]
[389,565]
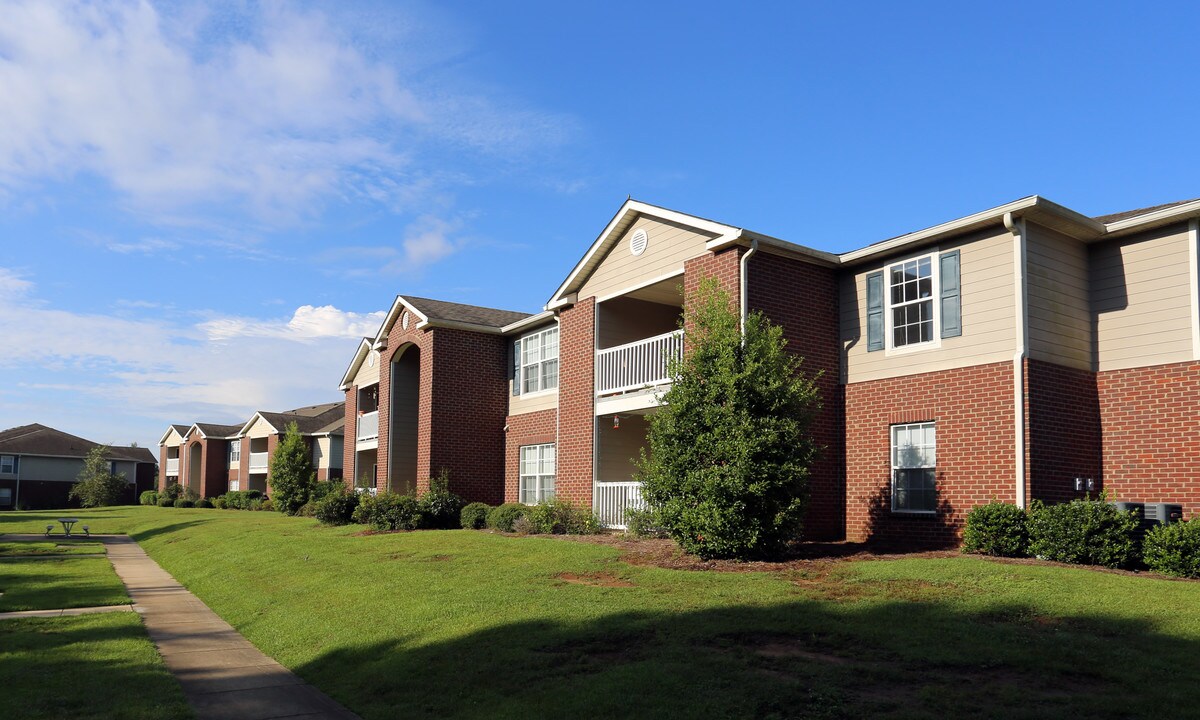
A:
[914,302]
[235,453]
[910,287]
[539,361]
[8,464]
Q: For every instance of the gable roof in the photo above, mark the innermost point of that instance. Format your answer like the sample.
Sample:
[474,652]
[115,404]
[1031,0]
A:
[440,313]
[181,429]
[38,439]
[326,419]
[360,355]
[214,430]
[1115,217]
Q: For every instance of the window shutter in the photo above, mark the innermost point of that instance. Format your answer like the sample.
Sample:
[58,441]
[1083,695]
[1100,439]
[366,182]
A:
[516,368]
[875,311]
[951,297]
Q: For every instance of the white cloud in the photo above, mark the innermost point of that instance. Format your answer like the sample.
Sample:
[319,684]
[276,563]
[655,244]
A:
[145,245]
[307,323]
[278,111]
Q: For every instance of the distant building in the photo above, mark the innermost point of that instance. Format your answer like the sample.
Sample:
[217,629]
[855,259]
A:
[38,466]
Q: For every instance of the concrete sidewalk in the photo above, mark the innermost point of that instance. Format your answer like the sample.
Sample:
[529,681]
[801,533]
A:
[222,674]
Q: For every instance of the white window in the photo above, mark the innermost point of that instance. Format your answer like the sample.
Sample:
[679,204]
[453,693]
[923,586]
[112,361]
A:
[235,485]
[539,361]
[235,453]
[911,289]
[537,473]
[914,467]
[8,464]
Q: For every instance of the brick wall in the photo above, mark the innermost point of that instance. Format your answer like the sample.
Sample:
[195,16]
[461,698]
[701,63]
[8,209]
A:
[802,298]
[532,428]
[973,408]
[1150,418]
[1062,439]
[162,467]
[576,402]
[399,340]
[350,444]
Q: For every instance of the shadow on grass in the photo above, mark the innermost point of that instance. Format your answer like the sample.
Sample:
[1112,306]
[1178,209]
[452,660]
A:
[831,659]
[147,533]
[59,582]
[97,666]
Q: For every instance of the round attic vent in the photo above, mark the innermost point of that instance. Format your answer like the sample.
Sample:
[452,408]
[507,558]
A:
[371,358]
[637,243]
[404,320]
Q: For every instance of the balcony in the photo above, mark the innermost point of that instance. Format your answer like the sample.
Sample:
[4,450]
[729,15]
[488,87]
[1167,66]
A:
[368,426]
[258,462]
[173,467]
[637,365]
[613,499]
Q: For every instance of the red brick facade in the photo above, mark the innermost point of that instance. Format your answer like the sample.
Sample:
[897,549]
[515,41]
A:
[1062,431]
[973,409]
[533,428]
[576,402]
[1150,419]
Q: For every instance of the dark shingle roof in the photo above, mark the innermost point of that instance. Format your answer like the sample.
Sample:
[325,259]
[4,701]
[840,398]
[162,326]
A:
[329,417]
[181,429]
[37,439]
[215,430]
[457,312]
[1114,217]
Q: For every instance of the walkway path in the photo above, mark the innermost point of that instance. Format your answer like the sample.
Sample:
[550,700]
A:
[222,674]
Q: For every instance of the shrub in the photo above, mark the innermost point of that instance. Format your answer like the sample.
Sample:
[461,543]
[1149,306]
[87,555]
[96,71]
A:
[524,526]
[204,503]
[728,454]
[189,494]
[559,517]
[185,503]
[997,529]
[1174,549]
[474,516]
[642,524]
[219,502]
[308,509]
[324,488]
[440,508]
[337,508]
[388,511]
[503,516]
[165,501]
[173,491]
[96,486]
[149,497]
[266,504]
[292,475]
[1085,532]
[242,499]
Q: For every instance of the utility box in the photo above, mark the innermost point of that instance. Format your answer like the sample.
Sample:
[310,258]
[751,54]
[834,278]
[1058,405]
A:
[1162,513]
[1143,523]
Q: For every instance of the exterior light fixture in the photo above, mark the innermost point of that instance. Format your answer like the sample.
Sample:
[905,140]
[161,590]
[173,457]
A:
[616,422]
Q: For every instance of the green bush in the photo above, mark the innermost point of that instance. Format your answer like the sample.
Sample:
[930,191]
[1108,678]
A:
[324,488]
[185,503]
[560,517]
[172,492]
[474,516]
[219,502]
[337,508]
[149,497]
[95,486]
[643,524]
[388,511]
[164,501]
[292,476]
[1174,549]
[1084,532]
[266,504]
[241,499]
[503,516]
[440,508]
[997,529]
[204,503]
[308,509]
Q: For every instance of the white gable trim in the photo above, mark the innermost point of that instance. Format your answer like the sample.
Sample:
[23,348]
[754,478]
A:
[364,347]
[393,315]
[250,423]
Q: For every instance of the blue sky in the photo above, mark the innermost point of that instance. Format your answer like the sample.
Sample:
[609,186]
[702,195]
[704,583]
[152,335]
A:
[203,204]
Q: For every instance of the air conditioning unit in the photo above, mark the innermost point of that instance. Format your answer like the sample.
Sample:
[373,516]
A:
[1162,513]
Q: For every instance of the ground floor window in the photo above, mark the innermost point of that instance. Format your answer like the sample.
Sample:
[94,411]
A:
[537,473]
[235,485]
[914,467]
[6,497]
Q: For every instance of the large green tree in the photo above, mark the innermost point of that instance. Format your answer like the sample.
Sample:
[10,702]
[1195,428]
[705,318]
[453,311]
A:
[96,485]
[727,470]
[292,476]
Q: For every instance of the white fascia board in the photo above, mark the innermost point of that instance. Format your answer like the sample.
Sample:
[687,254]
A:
[364,347]
[400,305]
[163,440]
[818,257]
[246,428]
[528,322]
[606,238]
[1158,217]
[196,427]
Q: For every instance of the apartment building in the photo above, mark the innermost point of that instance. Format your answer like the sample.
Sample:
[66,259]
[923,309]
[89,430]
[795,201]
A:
[1026,351]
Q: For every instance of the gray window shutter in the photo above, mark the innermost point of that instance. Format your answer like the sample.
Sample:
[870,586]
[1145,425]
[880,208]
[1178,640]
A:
[516,368]
[951,297]
[875,311]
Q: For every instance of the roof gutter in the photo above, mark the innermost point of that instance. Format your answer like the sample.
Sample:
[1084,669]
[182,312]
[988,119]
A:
[1016,226]
[744,296]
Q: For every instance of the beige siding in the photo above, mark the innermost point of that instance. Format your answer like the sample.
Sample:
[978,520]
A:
[620,447]
[327,452]
[173,439]
[988,314]
[624,320]
[1141,294]
[669,245]
[1060,317]
[367,374]
[260,429]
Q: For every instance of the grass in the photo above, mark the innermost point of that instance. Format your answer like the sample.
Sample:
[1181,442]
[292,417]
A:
[463,624]
[90,667]
[32,548]
[54,582]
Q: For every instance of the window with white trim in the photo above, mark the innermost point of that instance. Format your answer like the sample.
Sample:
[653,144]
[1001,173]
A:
[235,453]
[235,485]
[8,464]
[539,361]
[914,467]
[911,290]
[537,473]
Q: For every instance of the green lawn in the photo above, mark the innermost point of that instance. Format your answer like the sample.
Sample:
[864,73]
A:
[50,547]
[469,624]
[54,582]
[90,667]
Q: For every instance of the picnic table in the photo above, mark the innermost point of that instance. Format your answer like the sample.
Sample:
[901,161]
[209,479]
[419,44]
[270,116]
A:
[67,524]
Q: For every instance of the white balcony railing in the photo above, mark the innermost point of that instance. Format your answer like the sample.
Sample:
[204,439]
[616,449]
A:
[258,461]
[368,426]
[636,365]
[173,467]
[613,499]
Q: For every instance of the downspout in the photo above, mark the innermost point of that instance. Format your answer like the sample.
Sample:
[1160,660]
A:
[744,302]
[1017,228]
